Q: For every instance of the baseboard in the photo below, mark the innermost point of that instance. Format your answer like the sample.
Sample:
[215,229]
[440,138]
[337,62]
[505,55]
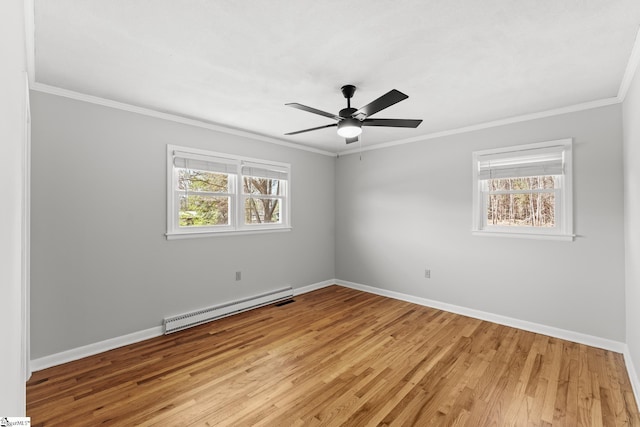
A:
[313,287]
[633,374]
[95,348]
[135,337]
[110,344]
[577,337]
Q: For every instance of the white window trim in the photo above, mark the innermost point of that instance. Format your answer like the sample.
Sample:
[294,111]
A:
[236,226]
[564,203]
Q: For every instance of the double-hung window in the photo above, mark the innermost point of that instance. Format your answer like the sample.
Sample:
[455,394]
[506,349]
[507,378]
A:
[213,193]
[524,191]
[264,193]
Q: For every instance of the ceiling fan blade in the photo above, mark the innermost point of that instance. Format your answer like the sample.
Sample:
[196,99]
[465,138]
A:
[387,100]
[396,123]
[351,140]
[309,130]
[313,110]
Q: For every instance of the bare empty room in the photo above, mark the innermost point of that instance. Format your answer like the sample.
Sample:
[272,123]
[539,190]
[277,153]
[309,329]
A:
[327,213]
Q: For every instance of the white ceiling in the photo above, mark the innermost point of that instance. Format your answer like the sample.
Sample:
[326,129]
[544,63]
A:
[236,63]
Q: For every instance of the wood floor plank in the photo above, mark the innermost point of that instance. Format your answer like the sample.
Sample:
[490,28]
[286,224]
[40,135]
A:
[338,356]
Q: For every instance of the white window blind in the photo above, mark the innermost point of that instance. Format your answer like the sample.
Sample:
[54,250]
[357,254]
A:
[516,164]
[264,171]
[204,163]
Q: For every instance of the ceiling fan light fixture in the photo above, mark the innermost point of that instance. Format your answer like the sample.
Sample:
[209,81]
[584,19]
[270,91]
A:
[349,128]
[349,121]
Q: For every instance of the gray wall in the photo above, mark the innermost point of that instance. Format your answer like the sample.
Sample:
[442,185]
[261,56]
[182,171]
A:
[12,194]
[101,266]
[406,208]
[632,219]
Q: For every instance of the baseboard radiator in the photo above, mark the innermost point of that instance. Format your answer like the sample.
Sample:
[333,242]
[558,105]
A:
[198,317]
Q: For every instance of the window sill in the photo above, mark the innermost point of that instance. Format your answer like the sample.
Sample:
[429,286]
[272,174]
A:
[534,236]
[198,234]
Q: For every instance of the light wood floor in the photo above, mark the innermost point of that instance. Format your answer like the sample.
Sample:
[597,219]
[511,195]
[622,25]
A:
[338,356]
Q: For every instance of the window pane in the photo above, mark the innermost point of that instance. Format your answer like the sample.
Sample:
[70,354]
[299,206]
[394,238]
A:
[198,211]
[217,193]
[524,183]
[262,211]
[195,180]
[521,209]
[524,190]
[263,186]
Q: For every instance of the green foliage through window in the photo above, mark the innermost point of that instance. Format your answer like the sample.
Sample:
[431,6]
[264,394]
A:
[217,193]
[200,201]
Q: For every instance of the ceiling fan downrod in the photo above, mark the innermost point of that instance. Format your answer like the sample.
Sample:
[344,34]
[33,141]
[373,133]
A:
[348,91]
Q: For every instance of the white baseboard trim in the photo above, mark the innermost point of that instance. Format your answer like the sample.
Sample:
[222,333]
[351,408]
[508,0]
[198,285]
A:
[135,337]
[577,337]
[102,346]
[95,348]
[590,340]
[313,287]
[633,374]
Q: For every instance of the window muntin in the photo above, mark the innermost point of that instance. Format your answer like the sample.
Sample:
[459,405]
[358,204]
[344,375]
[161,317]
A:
[210,193]
[264,192]
[260,206]
[262,211]
[522,202]
[524,191]
[205,198]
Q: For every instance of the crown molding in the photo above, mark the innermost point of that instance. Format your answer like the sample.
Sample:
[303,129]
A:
[495,123]
[29,39]
[54,90]
[630,71]
[29,28]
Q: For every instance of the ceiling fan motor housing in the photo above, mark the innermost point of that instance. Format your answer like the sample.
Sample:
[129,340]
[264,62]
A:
[346,113]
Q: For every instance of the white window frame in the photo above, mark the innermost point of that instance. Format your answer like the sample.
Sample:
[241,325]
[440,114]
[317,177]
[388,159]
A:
[563,229]
[237,197]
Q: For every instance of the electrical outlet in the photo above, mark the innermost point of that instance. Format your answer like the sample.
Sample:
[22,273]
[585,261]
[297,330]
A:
[427,273]
[238,275]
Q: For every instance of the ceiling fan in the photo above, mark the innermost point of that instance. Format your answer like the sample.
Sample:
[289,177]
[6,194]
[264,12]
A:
[350,120]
